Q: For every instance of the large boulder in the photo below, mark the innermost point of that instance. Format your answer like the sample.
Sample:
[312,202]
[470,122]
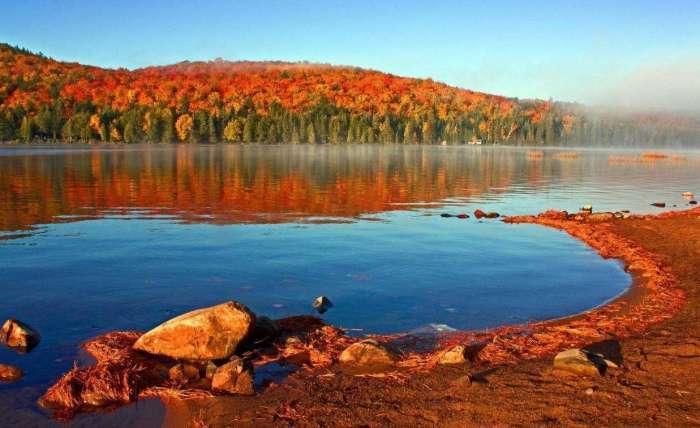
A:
[19,335]
[10,373]
[367,353]
[234,377]
[204,334]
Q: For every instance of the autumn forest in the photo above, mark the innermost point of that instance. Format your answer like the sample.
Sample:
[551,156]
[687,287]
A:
[44,100]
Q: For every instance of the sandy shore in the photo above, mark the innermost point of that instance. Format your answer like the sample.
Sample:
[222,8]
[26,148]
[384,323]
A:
[656,344]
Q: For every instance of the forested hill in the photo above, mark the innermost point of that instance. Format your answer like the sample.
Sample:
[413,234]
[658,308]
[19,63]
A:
[278,102]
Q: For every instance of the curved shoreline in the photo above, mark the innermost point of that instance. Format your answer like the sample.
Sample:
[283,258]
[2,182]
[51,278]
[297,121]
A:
[654,296]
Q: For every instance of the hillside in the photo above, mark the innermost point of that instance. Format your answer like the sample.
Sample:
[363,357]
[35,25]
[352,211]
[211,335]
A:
[275,102]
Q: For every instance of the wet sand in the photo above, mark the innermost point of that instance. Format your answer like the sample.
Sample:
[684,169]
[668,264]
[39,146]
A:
[656,344]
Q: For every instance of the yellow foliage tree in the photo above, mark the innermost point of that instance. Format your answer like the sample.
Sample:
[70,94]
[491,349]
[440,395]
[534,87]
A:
[183,127]
[114,134]
[568,122]
[233,131]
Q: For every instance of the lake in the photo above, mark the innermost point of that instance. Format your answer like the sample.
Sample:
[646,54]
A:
[94,239]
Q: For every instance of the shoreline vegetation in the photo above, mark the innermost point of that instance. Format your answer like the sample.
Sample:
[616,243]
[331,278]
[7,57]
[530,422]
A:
[44,100]
[324,356]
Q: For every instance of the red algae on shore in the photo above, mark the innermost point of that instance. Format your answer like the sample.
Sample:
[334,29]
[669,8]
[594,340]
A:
[121,374]
[659,299]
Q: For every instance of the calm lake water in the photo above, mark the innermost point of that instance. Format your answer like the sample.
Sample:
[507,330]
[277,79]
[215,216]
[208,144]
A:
[96,239]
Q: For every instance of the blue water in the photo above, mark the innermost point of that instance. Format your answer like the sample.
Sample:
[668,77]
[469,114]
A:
[102,240]
[76,280]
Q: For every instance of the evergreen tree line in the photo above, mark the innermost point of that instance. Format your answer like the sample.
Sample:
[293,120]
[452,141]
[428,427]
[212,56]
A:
[325,123]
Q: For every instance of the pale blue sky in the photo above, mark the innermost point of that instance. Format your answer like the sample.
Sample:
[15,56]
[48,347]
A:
[572,50]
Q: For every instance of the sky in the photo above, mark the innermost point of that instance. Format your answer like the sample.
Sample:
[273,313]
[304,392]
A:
[641,54]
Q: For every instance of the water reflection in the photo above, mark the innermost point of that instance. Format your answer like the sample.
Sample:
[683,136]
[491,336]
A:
[272,184]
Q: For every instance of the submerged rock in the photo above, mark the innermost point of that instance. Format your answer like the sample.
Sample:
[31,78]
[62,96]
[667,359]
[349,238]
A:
[481,214]
[693,202]
[463,216]
[19,335]
[322,304]
[204,334]
[446,215]
[234,377]
[367,353]
[10,373]
[659,204]
[580,362]
[455,355]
